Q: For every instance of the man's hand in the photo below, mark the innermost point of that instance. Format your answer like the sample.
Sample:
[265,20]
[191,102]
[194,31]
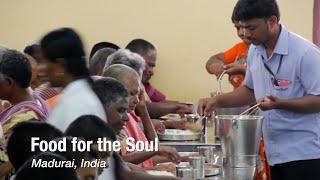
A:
[142,101]
[4,105]
[270,102]
[216,68]
[206,106]
[158,126]
[215,64]
[183,109]
[235,68]
[169,152]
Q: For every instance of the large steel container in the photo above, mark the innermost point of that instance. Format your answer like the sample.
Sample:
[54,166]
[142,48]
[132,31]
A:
[239,136]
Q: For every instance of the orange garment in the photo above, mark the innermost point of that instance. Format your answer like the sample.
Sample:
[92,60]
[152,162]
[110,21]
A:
[237,53]
[51,102]
[132,129]
[264,171]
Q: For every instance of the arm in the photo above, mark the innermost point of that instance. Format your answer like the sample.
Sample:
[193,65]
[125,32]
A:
[158,109]
[148,127]
[235,68]
[305,104]
[308,73]
[138,157]
[170,124]
[123,172]
[162,159]
[215,64]
[158,125]
[4,105]
[142,111]
[239,97]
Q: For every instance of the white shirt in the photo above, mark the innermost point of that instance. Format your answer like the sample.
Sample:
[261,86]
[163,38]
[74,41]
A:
[76,99]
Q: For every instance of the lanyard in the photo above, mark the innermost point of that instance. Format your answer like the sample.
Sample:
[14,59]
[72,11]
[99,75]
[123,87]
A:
[269,70]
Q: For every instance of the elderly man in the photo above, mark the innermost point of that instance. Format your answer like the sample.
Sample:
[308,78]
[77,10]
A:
[158,106]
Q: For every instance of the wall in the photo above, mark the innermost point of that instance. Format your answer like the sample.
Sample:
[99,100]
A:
[185,32]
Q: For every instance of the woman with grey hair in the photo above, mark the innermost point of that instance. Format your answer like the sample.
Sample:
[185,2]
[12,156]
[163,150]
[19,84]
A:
[128,58]
[137,63]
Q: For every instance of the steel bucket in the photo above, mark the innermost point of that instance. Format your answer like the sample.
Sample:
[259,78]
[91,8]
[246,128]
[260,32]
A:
[239,139]
[227,111]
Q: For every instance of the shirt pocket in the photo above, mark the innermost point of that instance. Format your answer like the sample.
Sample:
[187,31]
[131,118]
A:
[285,90]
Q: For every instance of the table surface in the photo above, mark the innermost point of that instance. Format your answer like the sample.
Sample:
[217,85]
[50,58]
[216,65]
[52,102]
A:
[226,173]
[191,146]
[234,174]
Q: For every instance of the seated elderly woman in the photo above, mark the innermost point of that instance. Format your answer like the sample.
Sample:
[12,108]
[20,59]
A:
[117,100]
[130,79]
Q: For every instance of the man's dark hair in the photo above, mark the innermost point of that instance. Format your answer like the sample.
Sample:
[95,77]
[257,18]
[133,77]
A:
[19,143]
[101,45]
[34,50]
[251,9]
[109,90]
[16,65]
[90,128]
[99,59]
[77,156]
[38,173]
[140,46]
[66,44]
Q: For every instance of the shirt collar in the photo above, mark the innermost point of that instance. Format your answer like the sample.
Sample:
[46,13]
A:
[281,45]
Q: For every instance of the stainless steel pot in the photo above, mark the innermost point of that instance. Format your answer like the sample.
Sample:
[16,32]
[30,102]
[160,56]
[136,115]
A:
[227,111]
[239,139]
